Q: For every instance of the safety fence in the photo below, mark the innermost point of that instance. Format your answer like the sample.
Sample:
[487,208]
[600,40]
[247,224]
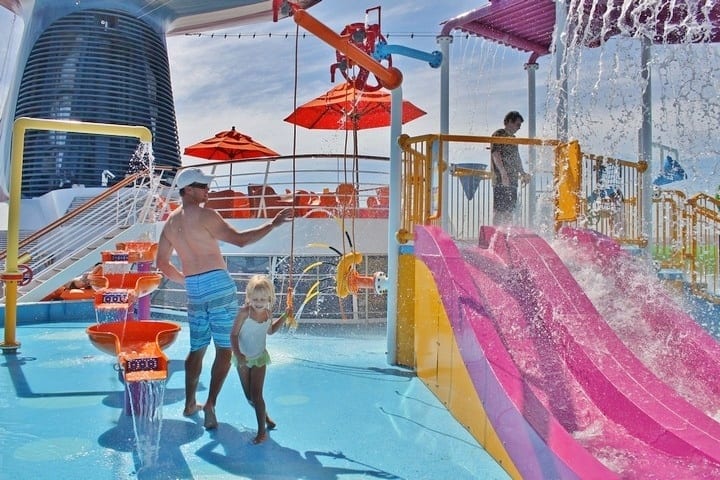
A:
[611,198]
[84,229]
[584,190]
[341,196]
[330,193]
[456,196]
[317,186]
[702,242]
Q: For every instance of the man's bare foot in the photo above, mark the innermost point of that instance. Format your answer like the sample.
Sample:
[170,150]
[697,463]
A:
[260,438]
[210,419]
[190,411]
[269,423]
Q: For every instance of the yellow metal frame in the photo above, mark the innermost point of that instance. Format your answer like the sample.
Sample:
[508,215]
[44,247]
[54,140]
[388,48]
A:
[423,187]
[568,181]
[11,276]
[439,364]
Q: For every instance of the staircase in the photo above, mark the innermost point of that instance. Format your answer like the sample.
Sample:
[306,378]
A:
[73,244]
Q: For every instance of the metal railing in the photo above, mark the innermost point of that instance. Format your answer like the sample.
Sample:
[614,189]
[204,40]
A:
[317,186]
[430,185]
[703,244]
[611,198]
[72,244]
[588,191]
[670,229]
[81,232]
[685,232]
[470,199]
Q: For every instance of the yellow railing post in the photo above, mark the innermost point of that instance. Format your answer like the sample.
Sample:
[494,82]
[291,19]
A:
[11,276]
[568,178]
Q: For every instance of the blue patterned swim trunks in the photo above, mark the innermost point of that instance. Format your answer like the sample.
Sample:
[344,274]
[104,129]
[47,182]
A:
[212,306]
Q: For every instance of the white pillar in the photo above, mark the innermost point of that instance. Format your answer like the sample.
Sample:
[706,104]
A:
[645,144]
[395,184]
[444,41]
[531,67]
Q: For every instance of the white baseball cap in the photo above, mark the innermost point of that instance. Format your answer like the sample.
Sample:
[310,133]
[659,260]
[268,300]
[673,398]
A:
[192,175]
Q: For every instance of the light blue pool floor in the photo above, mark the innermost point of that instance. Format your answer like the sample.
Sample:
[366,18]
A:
[342,413]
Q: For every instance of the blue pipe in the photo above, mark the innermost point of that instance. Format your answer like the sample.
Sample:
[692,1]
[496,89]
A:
[383,51]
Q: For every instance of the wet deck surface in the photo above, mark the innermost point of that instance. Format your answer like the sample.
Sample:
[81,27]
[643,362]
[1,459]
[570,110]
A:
[342,413]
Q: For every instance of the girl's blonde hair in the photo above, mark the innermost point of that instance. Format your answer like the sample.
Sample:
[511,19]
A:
[262,283]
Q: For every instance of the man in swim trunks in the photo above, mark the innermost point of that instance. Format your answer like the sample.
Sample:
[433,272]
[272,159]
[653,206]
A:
[508,170]
[194,232]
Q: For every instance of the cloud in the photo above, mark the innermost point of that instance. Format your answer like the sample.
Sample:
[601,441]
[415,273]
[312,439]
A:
[252,83]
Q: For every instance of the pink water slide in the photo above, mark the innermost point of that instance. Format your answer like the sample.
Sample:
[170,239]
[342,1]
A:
[658,329]
[566,396]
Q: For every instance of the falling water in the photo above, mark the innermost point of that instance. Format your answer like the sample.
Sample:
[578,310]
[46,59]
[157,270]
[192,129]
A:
[605,85]
[304,280]
[142,159]
[112,305]
[481,71]
[146,400]
[666,350]
[602,70]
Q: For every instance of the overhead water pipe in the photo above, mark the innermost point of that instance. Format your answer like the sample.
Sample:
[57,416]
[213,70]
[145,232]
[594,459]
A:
[389,77]
[383,51]
[11,276]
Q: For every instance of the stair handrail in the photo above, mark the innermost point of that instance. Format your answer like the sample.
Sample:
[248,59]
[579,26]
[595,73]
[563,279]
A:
[77,211]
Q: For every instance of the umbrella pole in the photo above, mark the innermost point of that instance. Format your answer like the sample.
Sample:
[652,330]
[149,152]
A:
[261,205]
[356,169]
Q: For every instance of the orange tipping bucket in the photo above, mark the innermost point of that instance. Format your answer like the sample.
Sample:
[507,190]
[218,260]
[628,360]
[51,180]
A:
[138,345]
[139,251]
[142,283]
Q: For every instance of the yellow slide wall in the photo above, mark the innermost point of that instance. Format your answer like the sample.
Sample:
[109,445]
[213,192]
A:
[439,365]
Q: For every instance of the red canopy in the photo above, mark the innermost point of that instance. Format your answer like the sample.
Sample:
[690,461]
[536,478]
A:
[229,145]
[346,108]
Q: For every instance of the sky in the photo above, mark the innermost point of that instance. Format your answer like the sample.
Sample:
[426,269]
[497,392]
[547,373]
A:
[220,82]
[250,77]
[252,84]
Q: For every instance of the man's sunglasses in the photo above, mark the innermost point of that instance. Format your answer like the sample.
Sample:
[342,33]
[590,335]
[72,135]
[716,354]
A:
[199,185]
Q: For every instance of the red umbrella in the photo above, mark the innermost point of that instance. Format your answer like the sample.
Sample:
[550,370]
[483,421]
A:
[229,145]
[232,145]
[346,108]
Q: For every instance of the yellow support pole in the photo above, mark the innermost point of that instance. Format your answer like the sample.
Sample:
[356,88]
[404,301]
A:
[11,276]
[568,175]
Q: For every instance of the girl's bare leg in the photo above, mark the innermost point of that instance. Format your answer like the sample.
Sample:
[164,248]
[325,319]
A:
[257,381]
[244,374]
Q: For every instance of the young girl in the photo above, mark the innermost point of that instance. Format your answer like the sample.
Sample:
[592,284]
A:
[248,340]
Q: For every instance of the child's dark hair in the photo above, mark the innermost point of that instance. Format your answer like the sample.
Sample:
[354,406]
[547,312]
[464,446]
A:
[513,116]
